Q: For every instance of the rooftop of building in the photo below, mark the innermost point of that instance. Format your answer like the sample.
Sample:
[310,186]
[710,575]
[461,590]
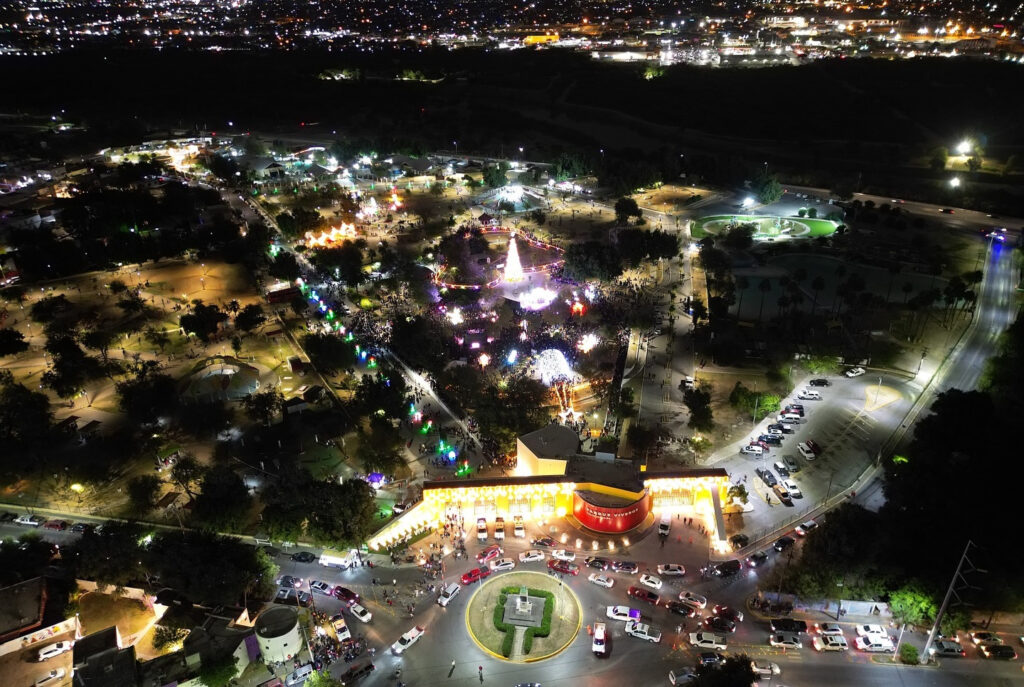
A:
[552,441]
[21,607]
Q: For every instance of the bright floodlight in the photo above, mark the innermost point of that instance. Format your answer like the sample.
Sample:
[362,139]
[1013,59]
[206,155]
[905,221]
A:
[748,201]
[964,147]
[551,366]
[955,182]
[512,193]
[537,298]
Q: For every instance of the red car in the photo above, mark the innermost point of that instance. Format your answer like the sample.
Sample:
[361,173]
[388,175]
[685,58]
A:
[813,446]
[489,554]
[56,525]
[474,575]
[346,595]
[564,567]
[644,595]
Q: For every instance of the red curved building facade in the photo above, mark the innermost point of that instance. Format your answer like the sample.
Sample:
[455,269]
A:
[610,519]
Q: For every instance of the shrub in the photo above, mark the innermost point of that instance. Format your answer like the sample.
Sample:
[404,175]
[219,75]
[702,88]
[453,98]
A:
[506,644]
[527,642]
[909,655]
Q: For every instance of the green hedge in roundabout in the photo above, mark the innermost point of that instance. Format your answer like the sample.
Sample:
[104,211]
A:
[560,621]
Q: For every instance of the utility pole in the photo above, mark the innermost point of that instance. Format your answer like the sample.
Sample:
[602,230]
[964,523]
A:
[958,575]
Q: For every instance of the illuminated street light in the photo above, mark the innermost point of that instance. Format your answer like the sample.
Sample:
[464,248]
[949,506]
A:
[964,147]
[955,182]
[748,202]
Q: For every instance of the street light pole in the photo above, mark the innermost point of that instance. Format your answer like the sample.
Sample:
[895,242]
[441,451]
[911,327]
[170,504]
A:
[878,390]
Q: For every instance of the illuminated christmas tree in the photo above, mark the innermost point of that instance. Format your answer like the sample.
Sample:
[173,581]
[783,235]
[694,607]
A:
[513,268]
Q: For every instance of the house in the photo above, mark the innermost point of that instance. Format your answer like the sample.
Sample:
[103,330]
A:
[100,661]
[263,167]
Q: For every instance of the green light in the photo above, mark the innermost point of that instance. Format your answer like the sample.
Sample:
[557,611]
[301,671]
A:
[900,460]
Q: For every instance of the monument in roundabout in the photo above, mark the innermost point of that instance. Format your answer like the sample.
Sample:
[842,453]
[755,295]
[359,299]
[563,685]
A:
[523,616]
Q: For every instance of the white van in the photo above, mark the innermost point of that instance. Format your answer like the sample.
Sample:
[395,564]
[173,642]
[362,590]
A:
[789,418]
[300,675]
[448,593]
[809,395]
[481,529]
[600,644]
[875,644]
[753,450]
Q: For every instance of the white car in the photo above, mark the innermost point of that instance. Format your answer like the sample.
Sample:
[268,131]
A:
[671,570]
[502,564]
[30,520]
[407,640]
[805,451]
[753,449]
[650,581]
[765,668]
[695,599]
[48,652]
[786,640]
[875,644]
[51,678]
[868,630]
[601,580]
[563,555]
[361,613]
[643,631]
[623,613]
[318,587]
[832,629]
[531,556]
[803,528]
[707,640]
[519,529]
[830,643]
[854,372]
[794,490]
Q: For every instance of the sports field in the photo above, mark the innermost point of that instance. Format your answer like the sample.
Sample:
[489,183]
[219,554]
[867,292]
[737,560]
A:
[795,227]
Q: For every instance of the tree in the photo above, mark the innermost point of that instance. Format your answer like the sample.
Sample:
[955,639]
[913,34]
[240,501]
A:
[250,317]
[698,402]
[817,285]
[739,237]
[591,260]
[329,353]
[910,605]
[973,163]
[641,437]
[147,394]
[323,679]
[742,284]
[764,287]
[203,321]
[262,406]
[738,492]
[157,337]
[625,208]
[938,158]
[812,212]
[12,342]
[142,492]
[217,672]
[49,308]
[165,637]
[111,556]
[768,189]
[345,260]
[284,266]
[494,175]
[25,416]
[187,471]
[223,502]
[132,303]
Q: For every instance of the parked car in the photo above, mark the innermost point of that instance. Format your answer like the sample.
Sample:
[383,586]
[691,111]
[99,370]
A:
[765,668]
[738,541]
[708,640]
[303,557]
[783,543]
[1000,651]
[945,647]
[59,525]
[671,570]
[868,630]
[820,382]
[289,581]
[766,476]
[875,644]
[791,463]
[781,427]
[55,649]
[753,449]
[831,629]
[29,520]
[786,640]
[781,468]
[979,637]
[856,371]
[356,672]
[805,451]
[8,516]
[782,494]
[793,488]
[770,439]
[829,643]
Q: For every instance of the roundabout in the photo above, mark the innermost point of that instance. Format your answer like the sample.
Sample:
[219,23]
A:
[524,617]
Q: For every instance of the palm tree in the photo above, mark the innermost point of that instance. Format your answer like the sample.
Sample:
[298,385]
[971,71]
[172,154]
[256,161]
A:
[233,307]
[907,288]
[764,287]
[817,285]
[742,284]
